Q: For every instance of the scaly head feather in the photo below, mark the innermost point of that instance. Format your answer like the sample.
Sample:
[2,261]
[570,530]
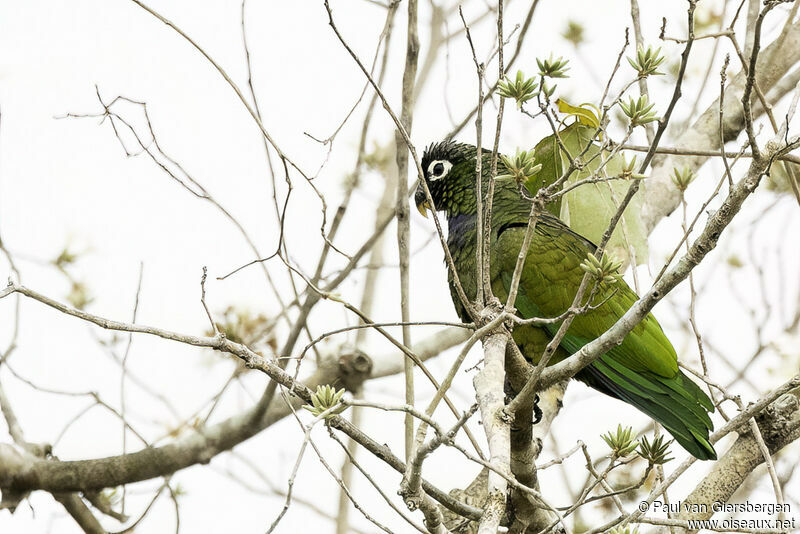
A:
[449,169]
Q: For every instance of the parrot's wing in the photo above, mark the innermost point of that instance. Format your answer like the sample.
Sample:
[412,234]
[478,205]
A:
[549,281]
[642,370]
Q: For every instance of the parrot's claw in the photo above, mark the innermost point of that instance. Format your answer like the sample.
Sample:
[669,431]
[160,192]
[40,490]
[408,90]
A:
[537,412]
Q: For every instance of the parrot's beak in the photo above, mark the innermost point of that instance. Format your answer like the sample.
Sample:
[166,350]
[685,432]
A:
[423,208]
[422,202]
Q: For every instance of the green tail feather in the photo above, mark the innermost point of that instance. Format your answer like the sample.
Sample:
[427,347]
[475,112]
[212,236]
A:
[677,403]
[679,389]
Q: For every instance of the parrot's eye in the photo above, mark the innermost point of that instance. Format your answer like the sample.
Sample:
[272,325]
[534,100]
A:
[438,169]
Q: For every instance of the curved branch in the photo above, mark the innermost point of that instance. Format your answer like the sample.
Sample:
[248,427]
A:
[779,423]
[27,473]
[774,62]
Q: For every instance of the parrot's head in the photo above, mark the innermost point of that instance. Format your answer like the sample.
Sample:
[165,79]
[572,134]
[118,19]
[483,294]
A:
[449,169]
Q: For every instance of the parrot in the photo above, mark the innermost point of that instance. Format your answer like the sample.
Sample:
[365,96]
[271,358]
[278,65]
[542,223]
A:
[642,370]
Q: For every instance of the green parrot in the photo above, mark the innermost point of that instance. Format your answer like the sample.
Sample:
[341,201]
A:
[642,370]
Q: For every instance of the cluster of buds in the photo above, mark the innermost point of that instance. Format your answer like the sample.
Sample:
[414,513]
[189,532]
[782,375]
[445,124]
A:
[604,270]
[521,89]
[628,171]
[552,68]
[639,111]
[656,452]
[647,62]
[623,442]
[521,167]
[325,398]
[682,178]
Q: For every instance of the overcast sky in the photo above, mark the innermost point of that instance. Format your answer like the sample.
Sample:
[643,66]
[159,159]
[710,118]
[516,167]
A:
[66,182]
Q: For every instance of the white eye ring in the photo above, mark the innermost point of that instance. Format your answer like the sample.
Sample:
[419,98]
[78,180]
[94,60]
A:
[446,166]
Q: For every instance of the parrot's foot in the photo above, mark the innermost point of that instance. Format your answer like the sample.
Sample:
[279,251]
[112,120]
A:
[537,412]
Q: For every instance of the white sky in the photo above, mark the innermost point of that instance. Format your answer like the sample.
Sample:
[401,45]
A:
[68,183]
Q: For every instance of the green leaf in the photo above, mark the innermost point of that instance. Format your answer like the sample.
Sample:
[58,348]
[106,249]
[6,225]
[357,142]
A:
[585,113]
[589,208]
[547,154]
